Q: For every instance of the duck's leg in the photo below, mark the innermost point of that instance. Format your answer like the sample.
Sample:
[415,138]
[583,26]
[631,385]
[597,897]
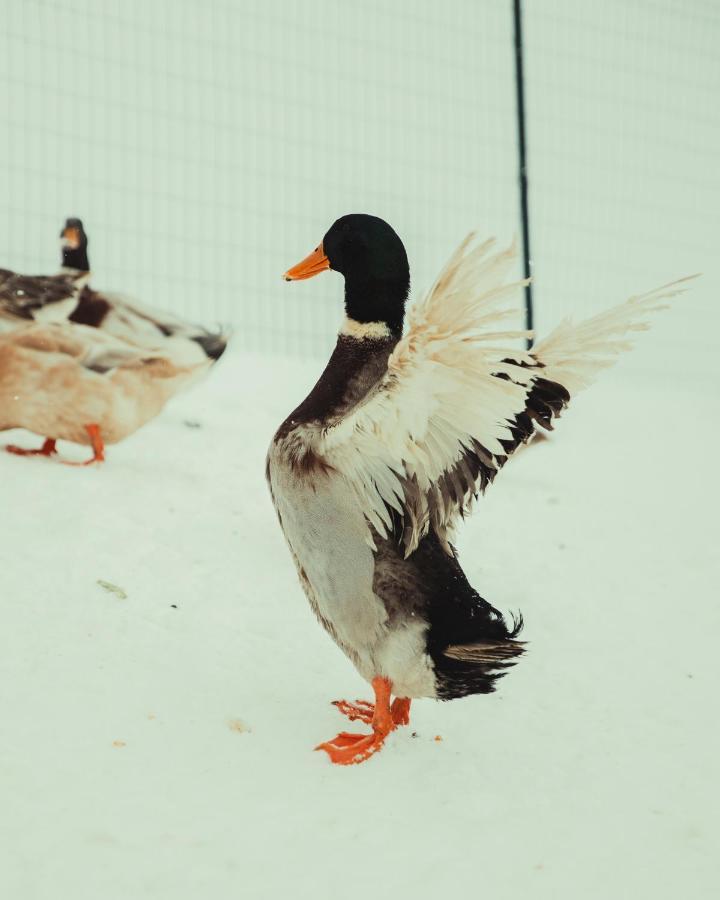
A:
[47,449]
[346,748]
[364,710]
[400,710]
[97,445]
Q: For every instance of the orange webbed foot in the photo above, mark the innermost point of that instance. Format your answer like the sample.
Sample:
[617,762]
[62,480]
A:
[347,748]
[364,710]
[47,449]
[361,709]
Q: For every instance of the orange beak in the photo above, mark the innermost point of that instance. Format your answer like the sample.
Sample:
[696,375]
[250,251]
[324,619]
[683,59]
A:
[313,264]
[72,236]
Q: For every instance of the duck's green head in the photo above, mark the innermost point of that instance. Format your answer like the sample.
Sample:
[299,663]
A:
[372,258]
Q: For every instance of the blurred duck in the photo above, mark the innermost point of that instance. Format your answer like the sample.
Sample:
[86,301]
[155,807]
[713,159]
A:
[372,472]
[79,384]
[47,298]
[129,320]
[74,243]
[68,297]
[84,366]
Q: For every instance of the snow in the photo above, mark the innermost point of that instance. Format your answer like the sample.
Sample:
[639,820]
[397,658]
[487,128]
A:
[160,745]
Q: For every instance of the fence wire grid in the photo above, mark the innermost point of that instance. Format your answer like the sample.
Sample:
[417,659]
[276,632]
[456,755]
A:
[208,147]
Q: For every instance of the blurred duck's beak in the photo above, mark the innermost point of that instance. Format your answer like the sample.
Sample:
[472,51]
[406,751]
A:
[71,237]
[313,264]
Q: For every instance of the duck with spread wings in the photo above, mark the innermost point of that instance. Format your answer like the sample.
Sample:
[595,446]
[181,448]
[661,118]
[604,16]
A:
[400,435]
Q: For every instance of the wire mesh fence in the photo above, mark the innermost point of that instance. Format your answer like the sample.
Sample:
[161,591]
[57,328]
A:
[209,146]
[624,131]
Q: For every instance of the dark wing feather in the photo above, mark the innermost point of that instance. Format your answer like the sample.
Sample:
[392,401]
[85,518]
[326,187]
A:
[21,296]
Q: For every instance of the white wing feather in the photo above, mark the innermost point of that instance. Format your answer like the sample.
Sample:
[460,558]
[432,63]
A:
[574,353]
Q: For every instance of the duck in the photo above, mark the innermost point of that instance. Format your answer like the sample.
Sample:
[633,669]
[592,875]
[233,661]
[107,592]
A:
[69,297]
[372,473]
[74,244]
[127,318]
[47,298]
[78,383]
[51,381]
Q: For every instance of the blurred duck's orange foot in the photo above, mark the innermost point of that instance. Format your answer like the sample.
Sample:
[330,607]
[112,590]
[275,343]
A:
[347,748]
[97,445]
[47,449]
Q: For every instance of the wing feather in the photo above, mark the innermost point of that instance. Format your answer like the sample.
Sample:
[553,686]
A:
[24,298]
[459,396]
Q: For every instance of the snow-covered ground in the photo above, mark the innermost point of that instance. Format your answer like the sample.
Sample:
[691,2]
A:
[159,745]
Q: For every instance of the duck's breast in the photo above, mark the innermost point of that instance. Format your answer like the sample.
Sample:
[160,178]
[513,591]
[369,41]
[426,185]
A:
[327,535]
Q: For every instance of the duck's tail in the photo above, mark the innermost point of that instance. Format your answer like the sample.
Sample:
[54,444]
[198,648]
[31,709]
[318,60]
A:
[475,667]
[213,343]
[131,320]
[574,353]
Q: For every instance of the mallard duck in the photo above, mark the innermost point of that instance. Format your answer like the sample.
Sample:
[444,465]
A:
[79,384]
[372,471]
[74,244]
[144,357]
[126,318]
[69,297]
[47,298]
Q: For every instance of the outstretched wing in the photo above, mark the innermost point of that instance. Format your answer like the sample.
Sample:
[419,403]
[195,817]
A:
[459,396]
[573,353]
